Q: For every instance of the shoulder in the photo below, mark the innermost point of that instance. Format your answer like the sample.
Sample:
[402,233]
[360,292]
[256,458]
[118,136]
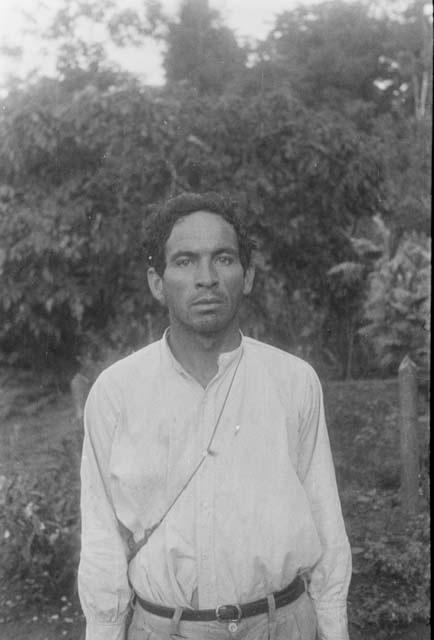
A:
[129,372]
[277,359]
[117,384]
[291,376]
[140,361]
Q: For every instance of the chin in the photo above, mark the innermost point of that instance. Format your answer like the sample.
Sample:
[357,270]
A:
[211,326]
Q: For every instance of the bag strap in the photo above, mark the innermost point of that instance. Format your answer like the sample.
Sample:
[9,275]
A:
[134,547]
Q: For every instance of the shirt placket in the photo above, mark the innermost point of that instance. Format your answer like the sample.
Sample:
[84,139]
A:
[204,509]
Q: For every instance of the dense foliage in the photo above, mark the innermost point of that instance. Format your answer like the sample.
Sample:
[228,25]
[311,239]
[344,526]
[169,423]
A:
[74,267]
[319,130]
[397,308]
[401,564]
[40,528]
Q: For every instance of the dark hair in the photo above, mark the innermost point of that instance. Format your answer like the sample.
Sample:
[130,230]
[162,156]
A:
[160,224]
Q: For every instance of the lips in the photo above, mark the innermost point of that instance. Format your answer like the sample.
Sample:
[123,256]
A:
[207,301]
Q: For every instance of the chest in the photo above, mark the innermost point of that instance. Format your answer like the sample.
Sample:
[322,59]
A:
[166,429]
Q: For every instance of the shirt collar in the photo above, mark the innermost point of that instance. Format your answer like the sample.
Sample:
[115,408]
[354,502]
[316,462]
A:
[225,359]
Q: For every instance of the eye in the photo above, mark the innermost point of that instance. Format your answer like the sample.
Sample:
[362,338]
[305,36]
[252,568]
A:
[225,259]
[183,262]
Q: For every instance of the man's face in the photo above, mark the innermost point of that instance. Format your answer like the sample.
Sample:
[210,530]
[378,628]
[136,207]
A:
[204,282]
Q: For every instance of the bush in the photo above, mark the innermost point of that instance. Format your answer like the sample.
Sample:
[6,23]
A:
[40,528]
[397,308]
[400,562]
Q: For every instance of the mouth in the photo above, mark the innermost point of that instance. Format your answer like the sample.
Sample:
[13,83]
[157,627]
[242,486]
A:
[207,302]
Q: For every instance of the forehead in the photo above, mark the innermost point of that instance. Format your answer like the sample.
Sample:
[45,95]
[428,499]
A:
[201,231]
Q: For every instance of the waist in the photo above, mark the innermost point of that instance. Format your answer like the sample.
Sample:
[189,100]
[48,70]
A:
[230,612]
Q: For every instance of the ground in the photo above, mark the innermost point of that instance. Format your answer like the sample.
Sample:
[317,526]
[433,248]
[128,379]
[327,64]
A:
[36,415]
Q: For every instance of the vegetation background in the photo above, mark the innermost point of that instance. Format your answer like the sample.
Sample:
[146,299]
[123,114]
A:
[322,130]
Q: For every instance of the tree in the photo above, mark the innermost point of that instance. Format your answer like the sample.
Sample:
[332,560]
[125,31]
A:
[201,50]
[406,149]
[84,156]
[82,160]
[346,294]
[351,57]
[198,48]
[328,52]
[84,35]
[407,59]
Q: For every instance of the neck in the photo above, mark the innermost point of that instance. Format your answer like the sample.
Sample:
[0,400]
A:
[199,353]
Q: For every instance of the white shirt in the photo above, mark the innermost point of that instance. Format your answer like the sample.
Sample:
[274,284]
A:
[261,510]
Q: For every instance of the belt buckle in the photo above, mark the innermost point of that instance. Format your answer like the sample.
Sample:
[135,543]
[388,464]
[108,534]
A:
[235,608]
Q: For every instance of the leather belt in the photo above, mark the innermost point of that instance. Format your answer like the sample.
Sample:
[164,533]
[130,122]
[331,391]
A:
[229,612]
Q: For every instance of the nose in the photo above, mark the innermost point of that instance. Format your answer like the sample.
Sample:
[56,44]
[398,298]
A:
[206,274]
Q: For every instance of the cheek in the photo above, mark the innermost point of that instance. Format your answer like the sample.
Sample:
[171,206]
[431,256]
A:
[234,284]
[176,291]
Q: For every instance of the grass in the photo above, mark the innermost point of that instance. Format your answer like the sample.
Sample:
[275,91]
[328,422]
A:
[389,558]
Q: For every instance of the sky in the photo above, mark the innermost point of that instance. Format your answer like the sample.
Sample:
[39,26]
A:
[248,19]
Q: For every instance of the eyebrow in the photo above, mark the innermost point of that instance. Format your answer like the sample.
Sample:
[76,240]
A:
[192,254]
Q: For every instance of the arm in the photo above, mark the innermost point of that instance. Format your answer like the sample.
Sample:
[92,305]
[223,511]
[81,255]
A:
[102,577]
[331,576]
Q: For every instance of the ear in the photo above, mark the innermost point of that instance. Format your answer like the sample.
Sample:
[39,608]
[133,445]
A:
[155,282]
[249,277]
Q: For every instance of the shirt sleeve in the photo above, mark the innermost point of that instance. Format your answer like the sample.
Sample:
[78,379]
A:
[102,576]
[330,577]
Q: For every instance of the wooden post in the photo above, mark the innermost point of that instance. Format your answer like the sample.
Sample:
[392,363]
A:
[408,432]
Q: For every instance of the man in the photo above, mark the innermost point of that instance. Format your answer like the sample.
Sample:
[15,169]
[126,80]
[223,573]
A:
[209,451]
